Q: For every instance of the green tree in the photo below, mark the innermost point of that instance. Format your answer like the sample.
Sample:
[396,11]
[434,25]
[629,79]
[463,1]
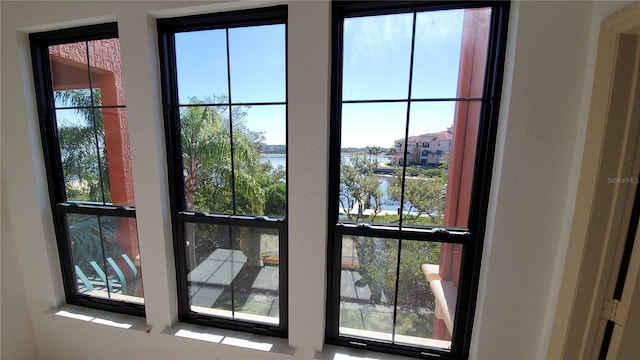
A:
[425,195]
[273,181]
[414,158]
[413,289]
[212,176]
[373,152]
[428,154]
[360,188]
[82,150]
[438,153]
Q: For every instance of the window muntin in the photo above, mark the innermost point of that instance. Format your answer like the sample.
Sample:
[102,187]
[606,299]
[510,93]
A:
[227,136]
[83,122]
[415,238]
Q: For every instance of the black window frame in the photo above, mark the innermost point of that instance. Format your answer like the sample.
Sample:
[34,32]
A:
[60,207]
[167,28]
[472,236]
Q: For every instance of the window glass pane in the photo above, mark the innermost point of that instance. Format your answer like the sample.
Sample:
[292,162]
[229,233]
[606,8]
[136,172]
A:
[440,162]
[106,71]
[437,54]
[430,140]
[118,178]
[377,54]
[257,63]
[260,160]
[206,154]
[208,250]
[450,53]
[106,257]
[367,287]
[256,288]
[70,75]
[427,293]
[235,272]
[369,135]
[83,165]
[74,75]
[103,166]
[201,62]
[95,154]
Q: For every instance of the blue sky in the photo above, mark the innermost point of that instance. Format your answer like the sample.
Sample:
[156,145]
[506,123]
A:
[377,52]
[257,58]
[376,66]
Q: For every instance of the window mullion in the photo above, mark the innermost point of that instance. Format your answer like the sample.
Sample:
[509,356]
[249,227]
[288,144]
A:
[404,174]
[233,168]
[408,119]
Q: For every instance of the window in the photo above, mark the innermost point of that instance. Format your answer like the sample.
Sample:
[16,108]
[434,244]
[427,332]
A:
[406,233]
[225,108]
[83,124]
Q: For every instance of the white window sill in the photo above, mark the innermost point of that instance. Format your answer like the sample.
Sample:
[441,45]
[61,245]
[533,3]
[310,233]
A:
[239,339]
[279,347]
[331,352]
[106,318]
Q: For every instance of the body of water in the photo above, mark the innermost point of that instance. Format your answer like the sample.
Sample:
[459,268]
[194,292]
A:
[385,180]
[276,159]
[281,159]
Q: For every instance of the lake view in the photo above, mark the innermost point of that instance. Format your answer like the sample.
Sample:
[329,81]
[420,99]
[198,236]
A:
[280,159]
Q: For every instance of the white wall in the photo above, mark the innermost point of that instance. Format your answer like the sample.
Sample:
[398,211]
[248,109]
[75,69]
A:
[542,112]
[549,67]
[16,332]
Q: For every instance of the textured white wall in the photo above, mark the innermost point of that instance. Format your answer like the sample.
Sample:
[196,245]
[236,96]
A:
[16,333]
[551,55]
[547,59]
[548,69]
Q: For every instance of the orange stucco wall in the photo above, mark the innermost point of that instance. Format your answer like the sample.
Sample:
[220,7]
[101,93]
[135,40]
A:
[465,134]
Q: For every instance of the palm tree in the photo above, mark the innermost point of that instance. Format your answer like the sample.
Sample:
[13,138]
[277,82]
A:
[221,167]
[438,154]
[415,155]
[84,165]
[376,150]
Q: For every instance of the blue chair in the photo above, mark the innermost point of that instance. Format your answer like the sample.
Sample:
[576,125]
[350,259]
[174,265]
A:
[99,261]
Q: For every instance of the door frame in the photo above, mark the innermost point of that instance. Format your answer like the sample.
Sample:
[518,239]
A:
[626,289]
[606,189]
